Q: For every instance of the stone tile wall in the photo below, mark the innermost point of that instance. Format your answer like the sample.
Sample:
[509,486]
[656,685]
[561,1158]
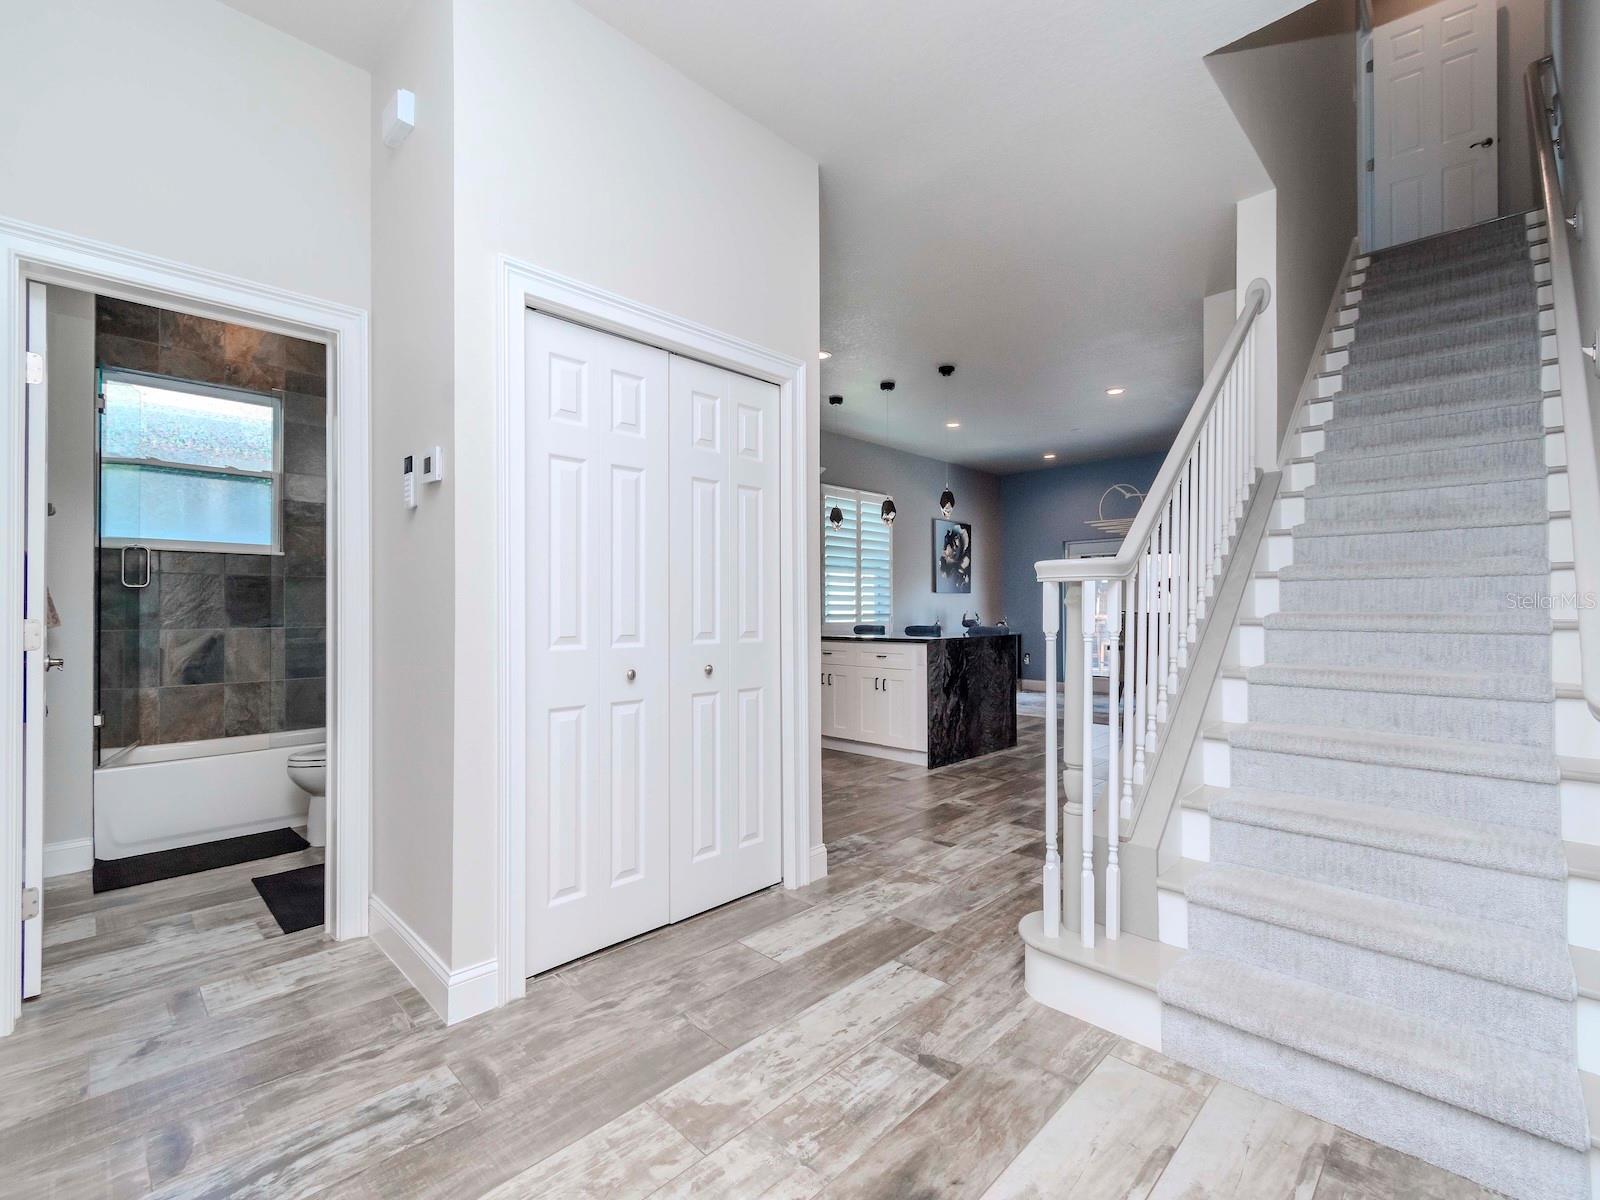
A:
[221,645]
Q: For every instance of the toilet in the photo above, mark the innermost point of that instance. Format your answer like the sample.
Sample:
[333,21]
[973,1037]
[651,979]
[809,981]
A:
[308,771]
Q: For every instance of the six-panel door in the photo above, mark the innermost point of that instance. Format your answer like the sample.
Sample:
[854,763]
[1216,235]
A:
[1435,121]
[726,801]
[599,534]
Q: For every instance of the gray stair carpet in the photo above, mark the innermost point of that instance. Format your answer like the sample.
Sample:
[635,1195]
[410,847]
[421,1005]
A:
[1380,936]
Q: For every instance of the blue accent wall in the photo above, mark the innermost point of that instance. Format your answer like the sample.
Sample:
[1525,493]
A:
[1039,511]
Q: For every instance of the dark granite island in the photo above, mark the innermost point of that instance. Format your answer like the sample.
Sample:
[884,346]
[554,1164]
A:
[929,701]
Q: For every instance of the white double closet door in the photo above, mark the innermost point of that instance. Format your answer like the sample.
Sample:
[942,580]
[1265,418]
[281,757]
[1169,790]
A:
[652,639]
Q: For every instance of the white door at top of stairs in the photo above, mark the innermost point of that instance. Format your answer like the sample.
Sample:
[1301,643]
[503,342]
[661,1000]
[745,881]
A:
[1435,122]
[652,647]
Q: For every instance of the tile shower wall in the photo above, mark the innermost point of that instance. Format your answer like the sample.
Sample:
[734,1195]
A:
[221,645]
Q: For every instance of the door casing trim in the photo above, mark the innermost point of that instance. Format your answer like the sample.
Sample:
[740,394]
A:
[522,286]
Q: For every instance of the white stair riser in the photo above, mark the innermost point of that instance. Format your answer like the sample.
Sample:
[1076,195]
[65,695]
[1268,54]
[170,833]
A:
[1123,1008]
[1342,337]
[1280,550]
[1233,695]
[1298,476]
[1214,764]
[1588,1029]
[1335,360]
[1247,646]
[1580,811]
[1287,512]
[1577,731]
[1319,412]
[1329,385]
[1583,913]
[1172,917]
[1262,598]
[1196,829]
[1565,654]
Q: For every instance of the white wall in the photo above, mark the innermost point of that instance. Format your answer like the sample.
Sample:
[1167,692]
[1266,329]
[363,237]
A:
[1217,315]
[187,130]
[575,150]
[413,365]
[70,570]
[1292,88]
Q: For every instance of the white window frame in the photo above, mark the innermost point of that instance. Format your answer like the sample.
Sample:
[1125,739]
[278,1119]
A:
[867,503]
[221,392]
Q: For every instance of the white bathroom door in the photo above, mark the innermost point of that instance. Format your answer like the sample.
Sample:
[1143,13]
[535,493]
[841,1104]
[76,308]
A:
[1436,158]
[597,640]
[727,837]
[35,612]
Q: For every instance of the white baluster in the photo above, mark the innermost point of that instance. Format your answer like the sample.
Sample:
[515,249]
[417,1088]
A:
[1152,647]
[1052,768]
[1138,640]
[1086,875]
[1191,541]
[1173,595]
[1214,498]
[1113,784]
[1180,507]
[1130,622]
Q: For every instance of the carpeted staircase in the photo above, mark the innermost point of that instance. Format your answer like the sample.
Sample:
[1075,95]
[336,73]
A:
[1380,939]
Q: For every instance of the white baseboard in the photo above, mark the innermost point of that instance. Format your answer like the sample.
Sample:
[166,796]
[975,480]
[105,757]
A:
[913,758]
[819,862]
[1037,685]
[68,858]
[454,995]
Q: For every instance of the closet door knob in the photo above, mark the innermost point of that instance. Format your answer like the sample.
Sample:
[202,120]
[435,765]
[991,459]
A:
[631,675]
[708,669]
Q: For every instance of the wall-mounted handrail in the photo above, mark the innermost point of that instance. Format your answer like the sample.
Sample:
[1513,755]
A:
[1583,452]
[1062,570]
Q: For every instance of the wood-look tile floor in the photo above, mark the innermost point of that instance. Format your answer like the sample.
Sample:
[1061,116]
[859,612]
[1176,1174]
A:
[866,1037]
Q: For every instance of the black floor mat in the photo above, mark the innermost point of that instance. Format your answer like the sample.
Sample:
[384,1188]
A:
[295,897]
[113,873]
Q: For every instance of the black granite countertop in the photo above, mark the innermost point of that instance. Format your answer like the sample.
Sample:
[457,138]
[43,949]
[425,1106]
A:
[900,637]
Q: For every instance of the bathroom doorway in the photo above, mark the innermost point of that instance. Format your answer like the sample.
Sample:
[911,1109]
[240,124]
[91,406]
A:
[187,599]
[174,555]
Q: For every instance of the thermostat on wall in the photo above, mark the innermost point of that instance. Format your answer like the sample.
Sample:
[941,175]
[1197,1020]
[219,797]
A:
[433,465]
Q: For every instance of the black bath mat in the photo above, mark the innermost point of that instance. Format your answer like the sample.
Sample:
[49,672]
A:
[295,897]
[113,873]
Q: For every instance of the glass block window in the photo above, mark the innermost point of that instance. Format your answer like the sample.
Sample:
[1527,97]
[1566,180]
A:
[188,466]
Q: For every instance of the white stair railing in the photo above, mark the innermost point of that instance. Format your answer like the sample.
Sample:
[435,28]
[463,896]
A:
[1573,363]
[1157,589]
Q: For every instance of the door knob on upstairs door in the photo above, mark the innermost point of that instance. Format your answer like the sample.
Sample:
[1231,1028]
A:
[1487,142]
[54,664]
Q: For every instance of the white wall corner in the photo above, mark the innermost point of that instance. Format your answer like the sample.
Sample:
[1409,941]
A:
[68,858]
[819,862]
[454,995]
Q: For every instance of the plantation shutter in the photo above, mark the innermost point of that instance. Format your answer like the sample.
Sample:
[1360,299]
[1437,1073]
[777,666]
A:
[857,560]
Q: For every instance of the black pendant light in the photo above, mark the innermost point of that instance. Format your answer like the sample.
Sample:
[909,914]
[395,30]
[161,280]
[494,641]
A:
[836,517]
[947,498]
[887,511]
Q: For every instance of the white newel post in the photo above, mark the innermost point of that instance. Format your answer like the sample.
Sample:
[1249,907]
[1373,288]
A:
[1052,765]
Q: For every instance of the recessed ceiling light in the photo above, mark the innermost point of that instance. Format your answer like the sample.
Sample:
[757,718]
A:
[824,354]
[1052,454]
[1116,391]
[952,424]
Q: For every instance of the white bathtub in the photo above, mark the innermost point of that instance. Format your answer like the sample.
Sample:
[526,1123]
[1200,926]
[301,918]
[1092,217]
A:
[183,793]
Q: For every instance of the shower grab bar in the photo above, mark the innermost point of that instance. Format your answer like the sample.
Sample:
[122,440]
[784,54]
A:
[144,583]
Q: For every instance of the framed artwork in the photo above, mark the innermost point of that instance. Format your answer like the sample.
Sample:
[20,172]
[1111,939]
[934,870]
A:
[952,557]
